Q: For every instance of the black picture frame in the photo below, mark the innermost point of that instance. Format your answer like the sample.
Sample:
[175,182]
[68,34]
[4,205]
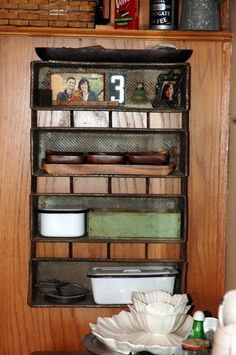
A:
[170,91]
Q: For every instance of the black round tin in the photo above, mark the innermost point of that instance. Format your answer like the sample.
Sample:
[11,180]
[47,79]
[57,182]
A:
[163,14]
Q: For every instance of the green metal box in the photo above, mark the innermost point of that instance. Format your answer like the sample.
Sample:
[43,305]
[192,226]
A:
[134,224]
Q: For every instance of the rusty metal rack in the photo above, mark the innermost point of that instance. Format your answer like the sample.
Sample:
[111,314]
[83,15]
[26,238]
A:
[62,127]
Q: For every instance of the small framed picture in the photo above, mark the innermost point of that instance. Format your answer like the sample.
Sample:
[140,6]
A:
[77,88]
[169,91]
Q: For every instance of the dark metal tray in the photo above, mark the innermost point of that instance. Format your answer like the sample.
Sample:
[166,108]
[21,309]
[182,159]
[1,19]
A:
[100,54]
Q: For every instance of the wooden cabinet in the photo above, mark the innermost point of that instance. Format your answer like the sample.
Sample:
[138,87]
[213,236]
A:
[148,154]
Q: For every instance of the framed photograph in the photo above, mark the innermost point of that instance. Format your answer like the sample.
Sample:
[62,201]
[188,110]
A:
[170,91]
[77,88]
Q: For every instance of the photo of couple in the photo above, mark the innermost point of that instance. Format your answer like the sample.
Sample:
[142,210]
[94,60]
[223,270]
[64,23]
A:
[77,88]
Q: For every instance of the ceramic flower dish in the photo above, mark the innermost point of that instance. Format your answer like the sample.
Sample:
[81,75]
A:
[157,296]
[126,337]
[159,307]
[158,327]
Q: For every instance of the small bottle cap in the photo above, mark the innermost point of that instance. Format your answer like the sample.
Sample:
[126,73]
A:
[199,316]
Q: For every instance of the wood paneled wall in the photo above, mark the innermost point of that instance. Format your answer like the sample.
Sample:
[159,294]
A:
[25,329]
[231,223]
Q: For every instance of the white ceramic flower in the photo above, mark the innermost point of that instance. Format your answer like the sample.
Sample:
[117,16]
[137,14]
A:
[156,322]
[126,340]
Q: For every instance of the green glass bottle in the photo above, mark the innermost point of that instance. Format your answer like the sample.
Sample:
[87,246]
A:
[196,342]
[197,331]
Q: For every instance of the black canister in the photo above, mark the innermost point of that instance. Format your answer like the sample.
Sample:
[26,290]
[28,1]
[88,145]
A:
[163,14]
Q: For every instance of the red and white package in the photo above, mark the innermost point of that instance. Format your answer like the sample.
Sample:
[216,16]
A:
[126,14]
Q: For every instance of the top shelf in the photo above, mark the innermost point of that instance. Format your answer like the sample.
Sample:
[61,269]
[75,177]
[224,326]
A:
[108,32]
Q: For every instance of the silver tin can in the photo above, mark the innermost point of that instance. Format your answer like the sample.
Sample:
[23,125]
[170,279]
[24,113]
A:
[163,14]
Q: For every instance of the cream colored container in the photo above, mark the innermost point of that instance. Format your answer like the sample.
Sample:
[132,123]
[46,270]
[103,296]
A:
[62,222]
[114,285]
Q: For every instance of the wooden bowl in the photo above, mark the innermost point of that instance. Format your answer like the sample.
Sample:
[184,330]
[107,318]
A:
[106,158]
[54,157]
[155,157]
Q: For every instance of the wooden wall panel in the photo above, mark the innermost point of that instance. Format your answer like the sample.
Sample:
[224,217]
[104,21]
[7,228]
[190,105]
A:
[129,119]
[52,250]
[127,251]
[53,119]
[90,119]
[165,120]
[164,251]
[89,250]
[164,186]
[53,184]
[90,185]
[128,185]
[25,329]
[208,171]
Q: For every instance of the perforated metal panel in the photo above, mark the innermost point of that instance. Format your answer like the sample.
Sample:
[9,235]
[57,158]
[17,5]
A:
[160,204]
[57,271]
[112,140]
[144,73]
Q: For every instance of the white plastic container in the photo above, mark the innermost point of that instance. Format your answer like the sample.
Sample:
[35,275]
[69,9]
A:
[62,222]
[114,285]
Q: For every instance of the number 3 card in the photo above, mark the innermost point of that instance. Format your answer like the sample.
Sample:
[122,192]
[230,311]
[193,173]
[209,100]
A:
[117,87]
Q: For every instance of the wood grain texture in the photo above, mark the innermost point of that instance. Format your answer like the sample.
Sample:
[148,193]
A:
[165,120]
[127,251]
[164,251]
[53,184]
[90,185]
[89,250]
[53,119]
[91,119]
[108,32]
[224,15]
[164,186]
[129,185]
[52,250]
[231,221]
[208,172]
[104,169]
[129,119]
[25,329]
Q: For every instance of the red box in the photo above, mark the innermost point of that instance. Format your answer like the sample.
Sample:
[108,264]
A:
[126,14]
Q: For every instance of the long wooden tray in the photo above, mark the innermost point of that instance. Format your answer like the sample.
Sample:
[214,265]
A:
[108,169]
